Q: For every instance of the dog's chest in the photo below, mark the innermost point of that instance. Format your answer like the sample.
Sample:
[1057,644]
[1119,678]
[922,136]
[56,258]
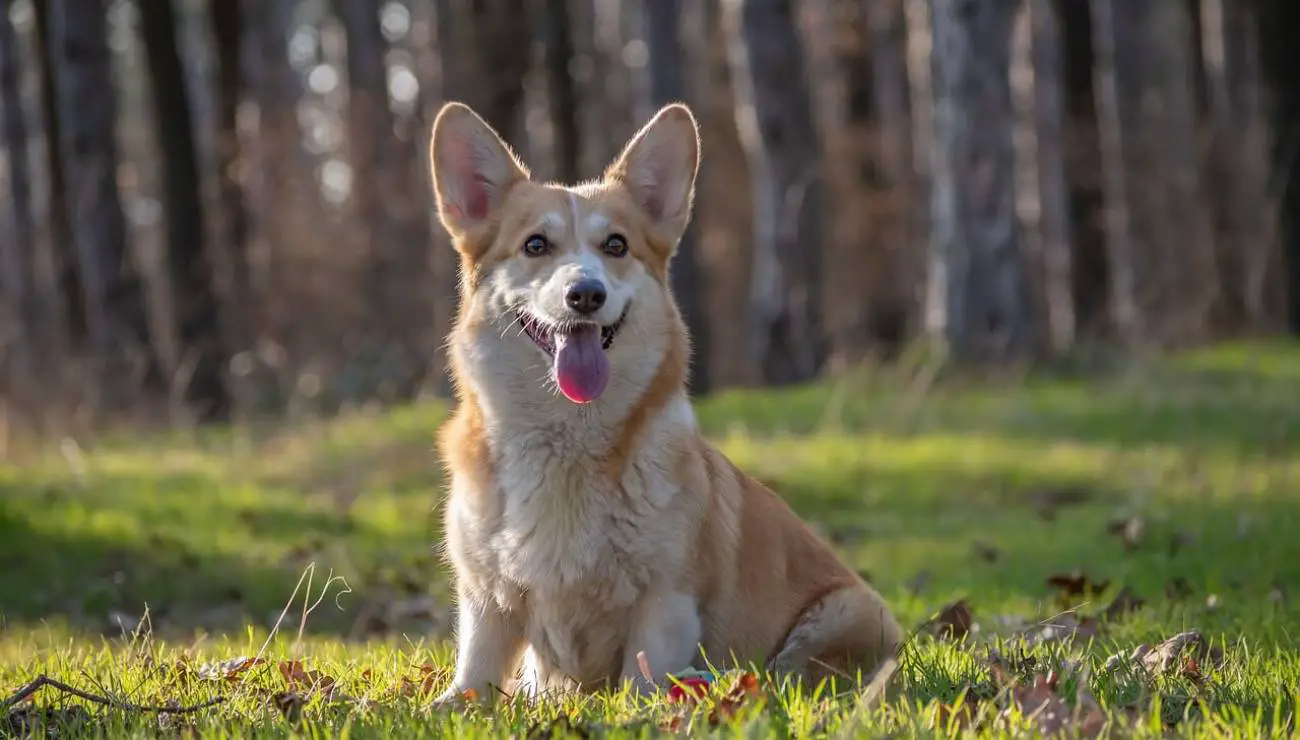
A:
[569,530]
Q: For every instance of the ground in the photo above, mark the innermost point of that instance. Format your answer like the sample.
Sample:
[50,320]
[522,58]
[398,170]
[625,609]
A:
[130,567]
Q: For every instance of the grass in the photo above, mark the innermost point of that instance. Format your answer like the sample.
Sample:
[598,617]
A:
[957,491]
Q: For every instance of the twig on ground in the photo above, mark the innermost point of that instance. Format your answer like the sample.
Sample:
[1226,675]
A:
[42,681]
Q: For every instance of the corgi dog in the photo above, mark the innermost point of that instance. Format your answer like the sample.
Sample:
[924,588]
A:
[588,520]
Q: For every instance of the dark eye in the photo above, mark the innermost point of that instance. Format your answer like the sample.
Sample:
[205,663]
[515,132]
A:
[536,246]
[615,245]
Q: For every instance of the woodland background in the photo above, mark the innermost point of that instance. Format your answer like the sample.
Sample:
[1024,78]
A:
[217,209]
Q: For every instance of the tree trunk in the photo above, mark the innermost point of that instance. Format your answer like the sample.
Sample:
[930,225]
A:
[1243,204]
[17,273]
[557,49]
[193,290]
[1279,25]
[389,203]
[1043,201]
[114,293]
[63,254]
[774,116]
[1161,249]
[987,311]
[662,23]
[232,170]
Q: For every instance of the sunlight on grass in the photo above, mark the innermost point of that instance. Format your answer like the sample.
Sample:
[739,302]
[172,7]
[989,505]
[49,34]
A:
[1175,480]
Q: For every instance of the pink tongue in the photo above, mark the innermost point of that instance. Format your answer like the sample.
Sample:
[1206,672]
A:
[581,368]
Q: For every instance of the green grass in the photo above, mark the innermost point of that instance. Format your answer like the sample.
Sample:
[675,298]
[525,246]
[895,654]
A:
[935,492]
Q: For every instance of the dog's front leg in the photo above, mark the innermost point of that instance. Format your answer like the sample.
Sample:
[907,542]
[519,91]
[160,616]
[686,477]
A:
[489,643]
[667,628]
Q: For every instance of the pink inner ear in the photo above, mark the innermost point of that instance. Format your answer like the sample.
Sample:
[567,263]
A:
[473,201]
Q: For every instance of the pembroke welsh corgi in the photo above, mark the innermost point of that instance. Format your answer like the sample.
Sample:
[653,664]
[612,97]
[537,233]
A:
[588,520]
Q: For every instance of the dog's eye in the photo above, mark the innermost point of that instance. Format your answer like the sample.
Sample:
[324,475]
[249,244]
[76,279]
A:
[615,245]
[536,246]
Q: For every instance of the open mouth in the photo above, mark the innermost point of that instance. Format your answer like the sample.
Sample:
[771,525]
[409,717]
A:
[580,368]
[543,333]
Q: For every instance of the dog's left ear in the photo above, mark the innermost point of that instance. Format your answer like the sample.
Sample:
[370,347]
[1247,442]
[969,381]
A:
[658,166]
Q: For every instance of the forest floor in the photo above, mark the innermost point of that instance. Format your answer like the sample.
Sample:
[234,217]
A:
[1052,526]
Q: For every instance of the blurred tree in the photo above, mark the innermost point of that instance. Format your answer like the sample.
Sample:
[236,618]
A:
[17,276]
[114,294]
[1279,24]
[63,255]
[774,116]
[390,200]
[558,55]
[1240,166]
[227,22]
[195,307]
[1161,249]
[986,309]
[1040,94]
[662,24]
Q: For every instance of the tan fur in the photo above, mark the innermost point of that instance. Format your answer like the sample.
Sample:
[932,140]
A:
[582,534]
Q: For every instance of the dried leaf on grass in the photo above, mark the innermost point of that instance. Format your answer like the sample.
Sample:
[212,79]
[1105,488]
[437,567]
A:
[1051,715]
[1076,583]
[1124,602]
[1186,653]
[228,670]
[745,692]
[307,682]
[1060,628]
[953,621]
[1130,531]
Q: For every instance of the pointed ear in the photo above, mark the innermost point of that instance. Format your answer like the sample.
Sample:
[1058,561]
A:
[659,165]
[472,168]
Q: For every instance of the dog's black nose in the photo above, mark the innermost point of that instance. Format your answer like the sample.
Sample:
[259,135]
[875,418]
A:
[586,296]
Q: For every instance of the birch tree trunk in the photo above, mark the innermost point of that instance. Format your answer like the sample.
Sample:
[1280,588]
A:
[774,117]
[1244,207]
[1163,277]
[193,290]
[987,311]
[126,360]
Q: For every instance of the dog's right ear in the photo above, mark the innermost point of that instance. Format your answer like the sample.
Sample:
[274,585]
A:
[473,168]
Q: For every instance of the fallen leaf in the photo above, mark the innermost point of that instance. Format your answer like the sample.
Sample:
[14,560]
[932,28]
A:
[953,621]
[1124,602]
[299,678]
[1130,531]
[1177,589]
[1076,583]
[1183,650]
[290,705]
[228,670]
[743,692]
[1051,715]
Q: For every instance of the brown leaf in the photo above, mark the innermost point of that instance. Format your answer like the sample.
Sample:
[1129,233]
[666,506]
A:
[953,621]
[1130,531]
[1177,589]
[1124,602]
[1051,715]
[290,704]
[743,692]
[299,678]
[1179,653]
[228,670]
[1075,584]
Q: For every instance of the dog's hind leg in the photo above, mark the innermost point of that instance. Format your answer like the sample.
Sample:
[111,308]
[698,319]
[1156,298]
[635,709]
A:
[846,632]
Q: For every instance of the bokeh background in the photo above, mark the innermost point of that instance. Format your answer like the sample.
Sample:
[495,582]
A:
[217,209]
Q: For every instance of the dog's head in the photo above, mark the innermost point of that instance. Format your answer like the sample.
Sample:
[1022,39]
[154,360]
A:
[565,285]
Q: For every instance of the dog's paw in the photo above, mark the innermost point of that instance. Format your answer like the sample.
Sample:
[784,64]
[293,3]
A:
[455,698]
